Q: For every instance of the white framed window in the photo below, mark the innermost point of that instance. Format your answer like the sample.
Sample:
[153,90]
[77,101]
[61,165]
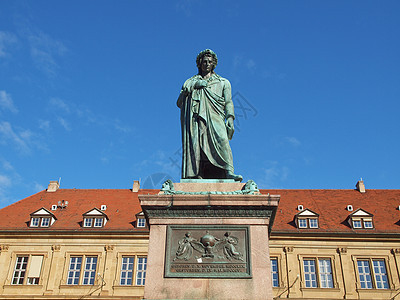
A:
[127,265]
[368,224]
[98,222]
[89,273]
[318,273]
[274,271]
[302,223]
[141,222]
[141,267]
[45,222]
[82,264]
[132,269]
[374,277]
[87,222]
[93,222]
[35,222]
[27,269]
[325,273]
[313,223]
[74,271]
[41,221]
[307,222]
[362,223]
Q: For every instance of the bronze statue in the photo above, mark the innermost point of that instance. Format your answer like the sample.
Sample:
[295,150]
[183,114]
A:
[207,116]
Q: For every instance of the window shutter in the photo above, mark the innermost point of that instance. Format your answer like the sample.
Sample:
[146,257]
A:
[36,266]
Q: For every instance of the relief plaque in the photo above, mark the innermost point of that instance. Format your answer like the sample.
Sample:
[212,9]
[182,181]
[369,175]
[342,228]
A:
[208,252]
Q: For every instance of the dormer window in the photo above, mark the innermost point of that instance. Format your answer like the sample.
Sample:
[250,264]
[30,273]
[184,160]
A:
[94,218]
[45,222]
[98,222]
[35,222]
[313,223]
[88,222]
[302,223]
[361,219]
[307,219]
[42,218]
[140,220]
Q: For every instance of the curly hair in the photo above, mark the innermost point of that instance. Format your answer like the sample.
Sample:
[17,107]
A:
[207,52]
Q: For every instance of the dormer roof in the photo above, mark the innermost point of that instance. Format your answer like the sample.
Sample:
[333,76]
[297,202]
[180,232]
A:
[41,212]
[307,213]
[360,213]
[95,212]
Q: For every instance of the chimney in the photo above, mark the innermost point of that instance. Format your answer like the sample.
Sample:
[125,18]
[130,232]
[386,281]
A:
[53,186]
[136,186]
[360,186]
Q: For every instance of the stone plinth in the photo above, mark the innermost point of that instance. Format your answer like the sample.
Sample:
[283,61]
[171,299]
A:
[235,265]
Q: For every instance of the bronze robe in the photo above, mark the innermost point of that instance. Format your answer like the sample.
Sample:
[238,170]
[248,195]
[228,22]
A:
[203,119]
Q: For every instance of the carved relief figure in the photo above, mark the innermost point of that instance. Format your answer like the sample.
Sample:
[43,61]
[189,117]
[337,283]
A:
[229,243]
[185,249]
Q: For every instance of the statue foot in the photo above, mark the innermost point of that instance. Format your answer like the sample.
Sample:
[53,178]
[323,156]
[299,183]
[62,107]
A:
[230,175]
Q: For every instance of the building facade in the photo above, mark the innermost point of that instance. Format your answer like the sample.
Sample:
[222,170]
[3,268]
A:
[86,244]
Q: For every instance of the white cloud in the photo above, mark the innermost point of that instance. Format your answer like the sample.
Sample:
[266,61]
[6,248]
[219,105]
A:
[61,108]
[60,104]
[64,123]
[37,187]
[6,39]
[44,124]
[5,181]
[293,141]
[185,6]
[20,140]
[23,139]
[251,65]
[44,51]
[122,128]
[7,165]
[237,60]
[6,102]
[274,175]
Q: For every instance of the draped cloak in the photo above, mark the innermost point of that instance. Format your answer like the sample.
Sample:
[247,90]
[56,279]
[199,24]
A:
[203,115]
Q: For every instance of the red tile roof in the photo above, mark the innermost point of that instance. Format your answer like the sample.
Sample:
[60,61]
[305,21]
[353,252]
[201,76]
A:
[123,205]
[331,207]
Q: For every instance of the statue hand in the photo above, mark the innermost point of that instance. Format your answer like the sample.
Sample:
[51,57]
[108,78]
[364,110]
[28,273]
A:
[229,127]
[200,84]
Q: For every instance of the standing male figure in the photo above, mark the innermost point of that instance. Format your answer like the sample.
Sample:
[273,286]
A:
[207,116]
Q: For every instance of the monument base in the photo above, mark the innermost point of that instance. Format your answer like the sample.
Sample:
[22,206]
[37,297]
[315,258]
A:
[208,241]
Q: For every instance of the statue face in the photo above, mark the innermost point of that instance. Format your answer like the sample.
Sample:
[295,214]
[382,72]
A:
[207,64]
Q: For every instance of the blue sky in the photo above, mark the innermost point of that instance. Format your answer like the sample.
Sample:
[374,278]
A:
[88,91]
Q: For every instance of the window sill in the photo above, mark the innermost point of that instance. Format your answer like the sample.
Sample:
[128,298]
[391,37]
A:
[375,290]
[127,286]
[81,286]
[319,289]
[38,286]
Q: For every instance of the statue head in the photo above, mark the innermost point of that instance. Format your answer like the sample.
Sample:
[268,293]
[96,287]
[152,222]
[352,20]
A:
[251,186]
[202,54]
[168,185]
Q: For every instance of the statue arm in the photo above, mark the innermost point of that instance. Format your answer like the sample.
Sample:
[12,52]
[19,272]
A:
[229,111]
[227,94]
[186,90]
[181,98]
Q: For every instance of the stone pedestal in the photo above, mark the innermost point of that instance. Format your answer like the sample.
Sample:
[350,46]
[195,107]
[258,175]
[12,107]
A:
[208,242]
